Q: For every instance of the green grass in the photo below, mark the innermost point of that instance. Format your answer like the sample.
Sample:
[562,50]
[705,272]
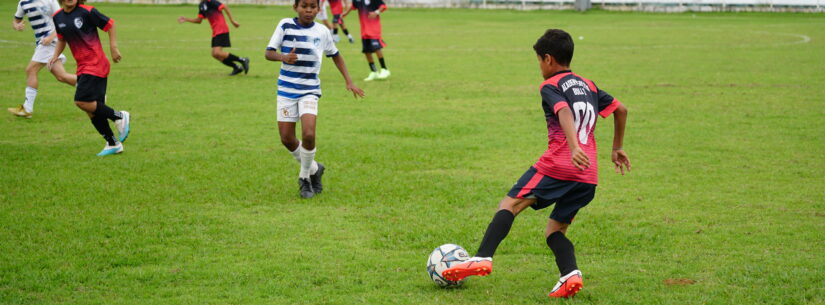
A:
[726,129]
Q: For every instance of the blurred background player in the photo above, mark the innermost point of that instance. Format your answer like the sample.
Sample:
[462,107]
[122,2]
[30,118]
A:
[77,25]
[566,174]
[337,8]
[302,44]
[368,15]
[212,10]
[39,13]
[322,14]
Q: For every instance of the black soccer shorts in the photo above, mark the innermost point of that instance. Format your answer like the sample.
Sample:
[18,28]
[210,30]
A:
[90,88]
[569,196]
[372,45]
[221,40]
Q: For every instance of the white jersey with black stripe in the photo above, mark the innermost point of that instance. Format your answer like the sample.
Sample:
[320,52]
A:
[39,13]
[310,44]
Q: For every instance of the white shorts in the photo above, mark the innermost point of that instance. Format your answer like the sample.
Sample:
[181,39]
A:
[43,53]
[290,110]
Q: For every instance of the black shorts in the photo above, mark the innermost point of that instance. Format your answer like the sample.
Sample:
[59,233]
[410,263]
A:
[90,88]
[372,45]
[222,40]
[569,196]
[336,19]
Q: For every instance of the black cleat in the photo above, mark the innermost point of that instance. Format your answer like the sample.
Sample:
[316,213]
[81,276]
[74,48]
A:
[316,179]
[306,188]
[245,63]
[236,71]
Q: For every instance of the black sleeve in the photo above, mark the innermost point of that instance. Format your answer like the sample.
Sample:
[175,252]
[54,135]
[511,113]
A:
[553,99]
[99,20]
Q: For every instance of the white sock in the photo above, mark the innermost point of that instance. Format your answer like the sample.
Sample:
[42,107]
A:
[31,94]
[307,159]
[297,153]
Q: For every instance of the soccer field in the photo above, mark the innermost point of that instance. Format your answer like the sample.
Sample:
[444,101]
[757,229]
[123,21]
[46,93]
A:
[725,203]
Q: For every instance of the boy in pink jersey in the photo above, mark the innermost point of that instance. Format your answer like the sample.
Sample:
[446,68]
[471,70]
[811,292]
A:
[213,10]
[566,174]
[369,12]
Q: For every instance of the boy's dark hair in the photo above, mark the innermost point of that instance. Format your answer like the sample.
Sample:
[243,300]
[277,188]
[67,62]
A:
[316,1]
[556,43]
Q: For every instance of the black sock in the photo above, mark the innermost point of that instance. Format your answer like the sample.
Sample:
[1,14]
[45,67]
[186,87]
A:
[372,67]
[335,31]
[496,232]
[107,112]
[229,62]
[232,57]
[346,32]
[102,126]
[563,250]
[383,65]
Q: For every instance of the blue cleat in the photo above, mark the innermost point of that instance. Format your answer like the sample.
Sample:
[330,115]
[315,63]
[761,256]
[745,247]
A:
[123,126]
[111,150]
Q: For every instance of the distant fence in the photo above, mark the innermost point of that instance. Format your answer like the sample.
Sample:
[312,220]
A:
[814,6]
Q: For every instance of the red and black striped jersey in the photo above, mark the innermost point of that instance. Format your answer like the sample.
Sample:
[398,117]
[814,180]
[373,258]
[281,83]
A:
[370,27]
[79,29]
[212,10]
[568,90]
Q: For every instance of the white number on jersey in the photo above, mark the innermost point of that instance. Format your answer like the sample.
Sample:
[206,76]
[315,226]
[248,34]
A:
[585,118]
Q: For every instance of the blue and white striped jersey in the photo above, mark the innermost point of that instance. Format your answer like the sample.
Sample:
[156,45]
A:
[40,16]
[301,78]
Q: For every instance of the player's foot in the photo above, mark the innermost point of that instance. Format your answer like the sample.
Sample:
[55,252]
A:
[123,125]
[20,111]
[316,179]
[111,150]
[372,76]
[568,285]
[245,63]
[350,38]
[236,71]
[336,38]
[306,188]
[480,266]
[383,74]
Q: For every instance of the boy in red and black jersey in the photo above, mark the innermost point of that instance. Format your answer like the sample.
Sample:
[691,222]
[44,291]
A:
[368,14]
[213,10]
[77,25]
[566,174]
[337,8]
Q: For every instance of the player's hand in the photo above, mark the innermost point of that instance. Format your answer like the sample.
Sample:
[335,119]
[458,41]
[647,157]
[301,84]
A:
[181,19]
[18,26]
[621,161]
[52,61]
[47,41]
[291,57]
[356,92]
[372,15]
[116,55]
[235,23]
[579,159]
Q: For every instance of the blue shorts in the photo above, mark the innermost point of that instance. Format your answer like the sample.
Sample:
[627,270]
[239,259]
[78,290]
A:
[569,196]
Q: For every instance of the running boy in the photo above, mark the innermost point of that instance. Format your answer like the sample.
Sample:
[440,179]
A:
[302,42]
[77,25]
[212,10]
[566,173]
[39,13]
[368,14]
[337,9]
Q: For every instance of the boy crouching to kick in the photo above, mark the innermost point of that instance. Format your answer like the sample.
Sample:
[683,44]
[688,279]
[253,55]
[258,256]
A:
[566,174]
[301,43]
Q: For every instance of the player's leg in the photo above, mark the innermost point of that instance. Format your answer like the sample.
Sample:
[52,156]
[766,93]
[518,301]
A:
[344,29]
[384,73]
[367,50]
[27,108]
[90,97]
[59,72]
[310,168]
[228,59]
[570,281]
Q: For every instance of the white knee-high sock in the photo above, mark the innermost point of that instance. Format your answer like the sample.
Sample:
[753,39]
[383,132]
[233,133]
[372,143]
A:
[31,94]
[307,159]
[297,153]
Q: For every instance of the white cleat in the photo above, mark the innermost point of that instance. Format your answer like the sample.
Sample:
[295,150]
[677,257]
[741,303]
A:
[111,150]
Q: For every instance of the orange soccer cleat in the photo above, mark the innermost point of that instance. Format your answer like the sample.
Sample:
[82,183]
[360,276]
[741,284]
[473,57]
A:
[568,285]
[480,266]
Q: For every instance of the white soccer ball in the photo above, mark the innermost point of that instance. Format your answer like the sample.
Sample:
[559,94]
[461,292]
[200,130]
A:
[443,257]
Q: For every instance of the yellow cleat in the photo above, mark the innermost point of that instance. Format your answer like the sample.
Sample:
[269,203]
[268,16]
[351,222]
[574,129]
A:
[20,111]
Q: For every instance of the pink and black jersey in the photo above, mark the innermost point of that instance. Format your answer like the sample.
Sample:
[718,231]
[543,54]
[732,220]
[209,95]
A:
[336,7]
[568,90]
[79,29]
[212,10]
[370,27]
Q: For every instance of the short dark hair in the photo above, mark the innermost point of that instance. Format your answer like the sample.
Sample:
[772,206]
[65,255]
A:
[298,1]
[556,43]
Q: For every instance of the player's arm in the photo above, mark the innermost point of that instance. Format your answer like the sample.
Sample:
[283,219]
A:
[577,155]
[197,20]
[381,8]
[48,40]
[348,9]
[618,156]
[61,45]
[342,66]
[113,44]
[273,55]
[18,24]
[229,14]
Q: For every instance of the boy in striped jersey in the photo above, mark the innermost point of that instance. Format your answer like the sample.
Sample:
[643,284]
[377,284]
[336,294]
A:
[39,13]
[301,43]
[566,173]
